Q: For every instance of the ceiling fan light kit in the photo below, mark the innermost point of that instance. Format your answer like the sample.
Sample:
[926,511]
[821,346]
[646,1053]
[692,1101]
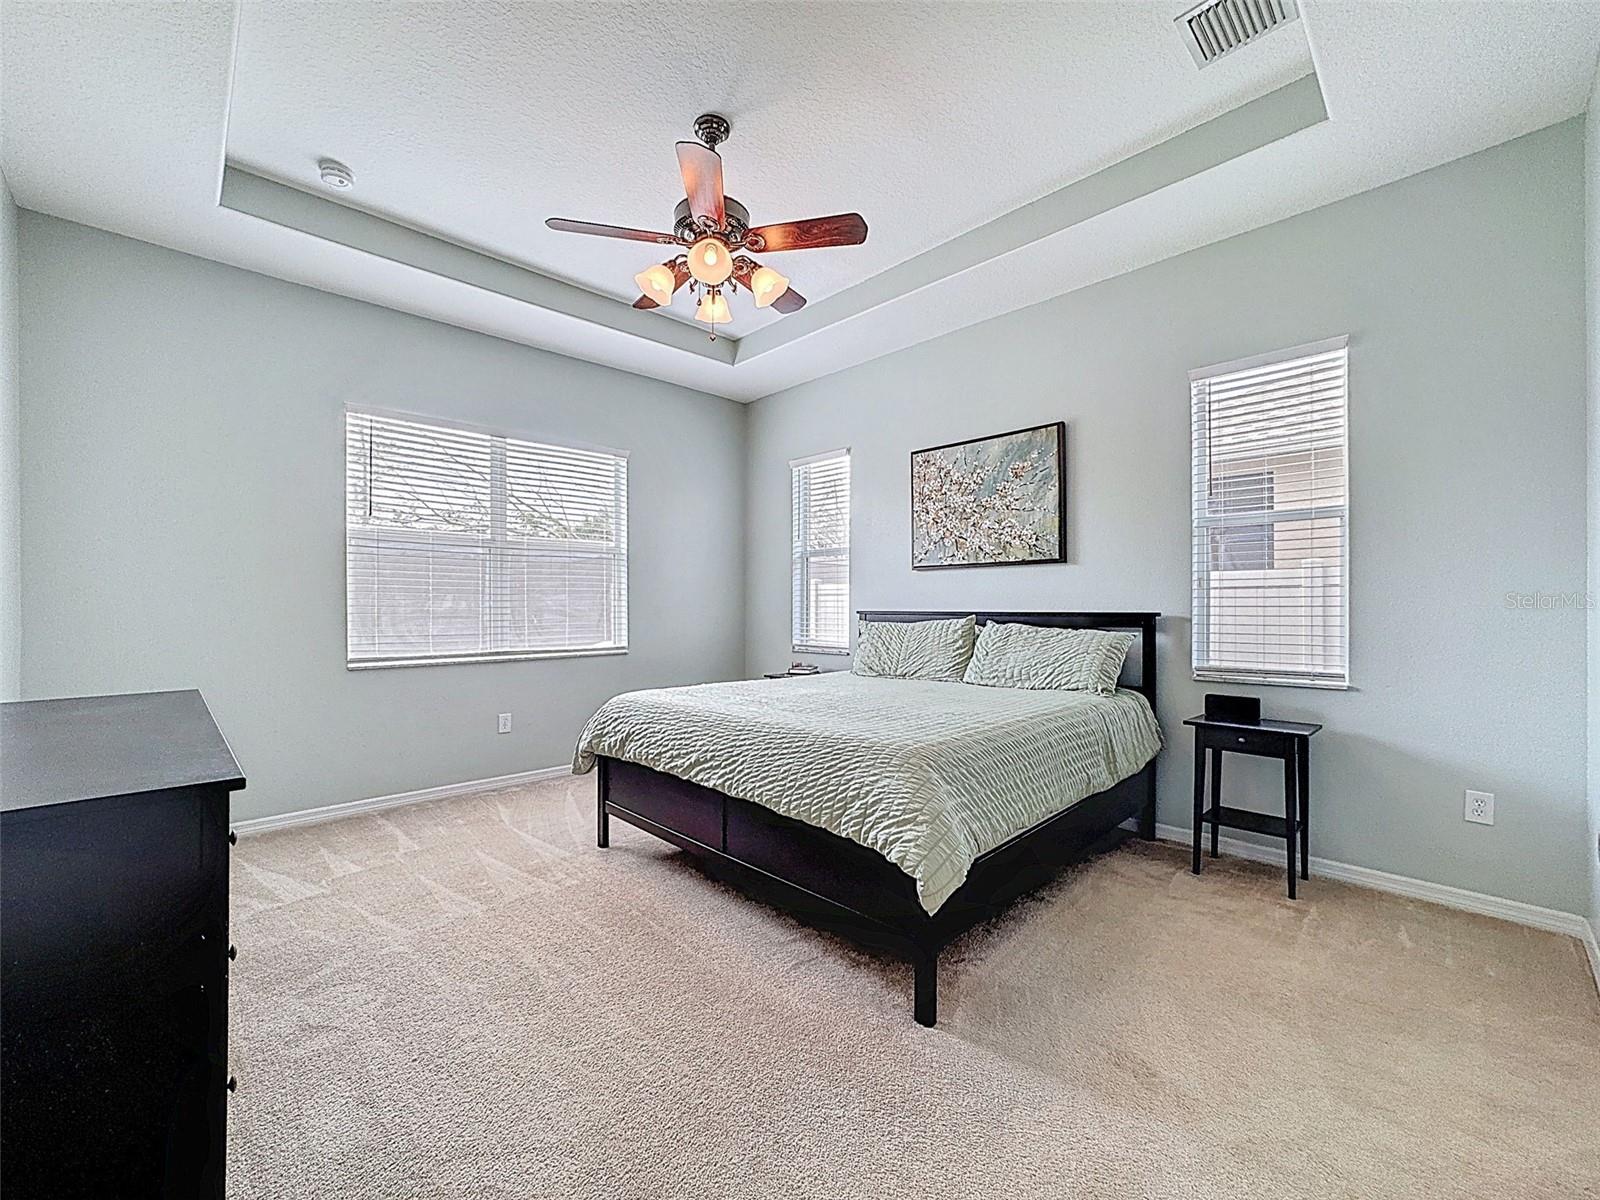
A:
[712,227]
[657,282]
[766,285]
[713,310]
[710,261]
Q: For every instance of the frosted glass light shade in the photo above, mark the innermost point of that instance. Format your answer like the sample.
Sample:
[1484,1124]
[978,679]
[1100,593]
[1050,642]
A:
[710,261]
[657,282]
[766,285]
[713,309]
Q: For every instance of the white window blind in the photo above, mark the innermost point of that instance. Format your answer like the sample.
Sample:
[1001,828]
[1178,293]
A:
[820,578]
[1271,518]
[462,545]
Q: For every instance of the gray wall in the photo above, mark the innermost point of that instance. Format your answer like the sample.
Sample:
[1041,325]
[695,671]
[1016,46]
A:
[1462,291]
[183,495]
[1591,845]
[10,458]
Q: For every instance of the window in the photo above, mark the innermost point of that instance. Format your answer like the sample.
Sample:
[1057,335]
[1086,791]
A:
[1237,547]
[462,545]
[820,576]
[1271,518]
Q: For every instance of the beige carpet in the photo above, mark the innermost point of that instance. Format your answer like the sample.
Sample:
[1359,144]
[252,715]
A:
[466,998]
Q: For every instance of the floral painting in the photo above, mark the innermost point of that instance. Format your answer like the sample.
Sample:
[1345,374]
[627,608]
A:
[991,500]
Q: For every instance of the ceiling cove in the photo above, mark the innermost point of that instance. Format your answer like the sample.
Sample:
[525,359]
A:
[1257,123]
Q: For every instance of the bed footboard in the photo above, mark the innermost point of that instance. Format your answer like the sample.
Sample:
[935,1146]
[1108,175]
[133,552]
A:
[840,885]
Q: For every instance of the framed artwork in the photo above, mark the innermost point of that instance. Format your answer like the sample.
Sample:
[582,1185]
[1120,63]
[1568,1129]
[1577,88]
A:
[990,501]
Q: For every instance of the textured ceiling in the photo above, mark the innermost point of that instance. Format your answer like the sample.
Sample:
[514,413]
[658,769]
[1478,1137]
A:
[477,121]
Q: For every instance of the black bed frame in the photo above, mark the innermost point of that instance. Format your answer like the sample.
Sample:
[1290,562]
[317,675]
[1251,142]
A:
[846,887]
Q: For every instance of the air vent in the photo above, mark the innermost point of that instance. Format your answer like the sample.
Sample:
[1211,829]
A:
[1219,27]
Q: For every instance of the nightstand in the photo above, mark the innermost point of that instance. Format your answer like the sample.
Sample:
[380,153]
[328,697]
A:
[790,674]
[1287,740]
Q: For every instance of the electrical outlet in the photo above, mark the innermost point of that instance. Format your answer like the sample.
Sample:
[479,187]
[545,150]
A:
[1480,808]
[505,723]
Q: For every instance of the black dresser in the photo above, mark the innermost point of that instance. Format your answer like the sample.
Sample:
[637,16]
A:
[114,947]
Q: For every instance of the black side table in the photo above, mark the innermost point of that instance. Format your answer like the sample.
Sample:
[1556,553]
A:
[1288,740]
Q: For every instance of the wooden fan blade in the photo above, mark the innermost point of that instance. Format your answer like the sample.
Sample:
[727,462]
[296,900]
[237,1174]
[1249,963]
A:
[846,229]
[562,225]
[702,181]
[680,276]
[790,301]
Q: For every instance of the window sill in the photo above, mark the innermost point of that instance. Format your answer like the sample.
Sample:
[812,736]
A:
[815,650]
[1268,681]
[530,656]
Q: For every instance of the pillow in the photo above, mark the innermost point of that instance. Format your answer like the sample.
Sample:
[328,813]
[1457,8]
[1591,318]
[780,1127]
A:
[1033,656]
[914,649]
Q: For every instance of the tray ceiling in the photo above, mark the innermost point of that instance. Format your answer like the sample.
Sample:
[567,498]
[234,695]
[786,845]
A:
[477,123]
[938,122]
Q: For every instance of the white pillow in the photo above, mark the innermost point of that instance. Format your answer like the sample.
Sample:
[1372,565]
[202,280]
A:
[1040,658]
[914,649]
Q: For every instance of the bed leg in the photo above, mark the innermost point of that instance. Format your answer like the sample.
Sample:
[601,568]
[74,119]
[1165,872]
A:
[602,831]
[925,964]
[1147,814]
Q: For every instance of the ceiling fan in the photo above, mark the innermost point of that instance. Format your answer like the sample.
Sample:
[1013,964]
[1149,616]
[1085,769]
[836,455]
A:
[713,228]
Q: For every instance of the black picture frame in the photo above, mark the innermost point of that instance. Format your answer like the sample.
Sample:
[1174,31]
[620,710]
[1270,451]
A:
[1061,500]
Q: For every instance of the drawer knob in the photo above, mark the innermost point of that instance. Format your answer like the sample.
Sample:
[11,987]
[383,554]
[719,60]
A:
[233,1084]
[233,953]
[233,838]
[1241,741]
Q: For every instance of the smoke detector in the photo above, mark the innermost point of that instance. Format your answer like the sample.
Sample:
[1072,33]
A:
[1217,27]
[335,174]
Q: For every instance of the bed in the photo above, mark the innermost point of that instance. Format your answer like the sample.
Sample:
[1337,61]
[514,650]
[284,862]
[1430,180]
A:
[897,812]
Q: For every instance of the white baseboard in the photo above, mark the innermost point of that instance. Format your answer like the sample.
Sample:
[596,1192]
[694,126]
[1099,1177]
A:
[1549,919]
[1591,943]
[332,812]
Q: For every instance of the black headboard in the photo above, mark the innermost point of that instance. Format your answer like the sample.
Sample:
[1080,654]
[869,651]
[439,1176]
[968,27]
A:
[1143,623]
